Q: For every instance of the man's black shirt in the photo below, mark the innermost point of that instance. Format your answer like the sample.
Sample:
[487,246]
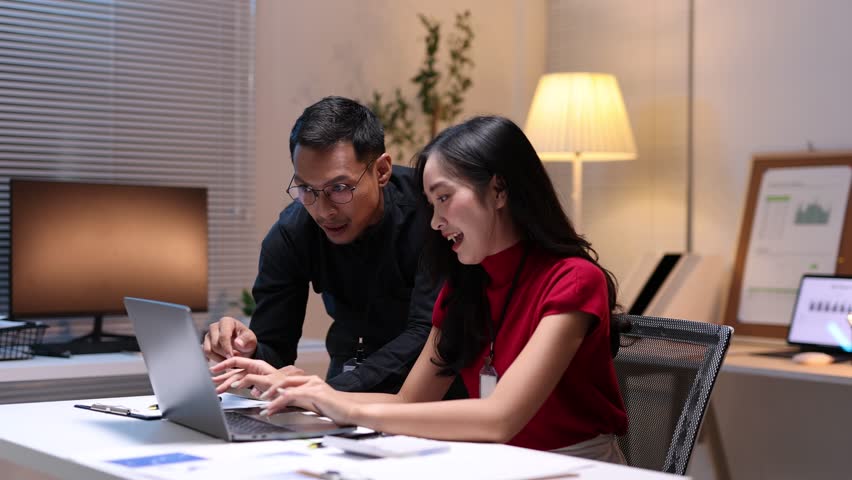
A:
[371,288]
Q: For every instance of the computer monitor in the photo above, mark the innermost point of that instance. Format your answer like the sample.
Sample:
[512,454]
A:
[78,248]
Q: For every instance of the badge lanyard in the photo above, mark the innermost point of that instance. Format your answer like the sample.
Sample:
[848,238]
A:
[355,362]
[360,354]
[488,375]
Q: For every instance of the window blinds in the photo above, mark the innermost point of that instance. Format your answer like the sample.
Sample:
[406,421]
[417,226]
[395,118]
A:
[141,92]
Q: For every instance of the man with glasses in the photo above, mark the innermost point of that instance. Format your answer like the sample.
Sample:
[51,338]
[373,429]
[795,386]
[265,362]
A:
[354,231]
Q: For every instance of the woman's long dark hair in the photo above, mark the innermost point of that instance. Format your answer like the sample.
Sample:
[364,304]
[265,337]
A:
[474,152]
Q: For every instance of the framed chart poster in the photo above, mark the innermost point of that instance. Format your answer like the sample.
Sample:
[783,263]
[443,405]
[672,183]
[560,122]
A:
[796,220]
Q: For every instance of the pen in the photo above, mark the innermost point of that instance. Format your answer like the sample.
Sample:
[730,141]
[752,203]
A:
[330,475]
[111,408]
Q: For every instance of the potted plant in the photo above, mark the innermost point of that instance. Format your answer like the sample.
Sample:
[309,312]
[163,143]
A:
[246,306]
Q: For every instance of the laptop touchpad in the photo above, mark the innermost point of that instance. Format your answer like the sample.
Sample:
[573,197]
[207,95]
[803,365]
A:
[293,419]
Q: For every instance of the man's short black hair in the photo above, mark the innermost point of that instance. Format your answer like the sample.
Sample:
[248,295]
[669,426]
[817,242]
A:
[333,120]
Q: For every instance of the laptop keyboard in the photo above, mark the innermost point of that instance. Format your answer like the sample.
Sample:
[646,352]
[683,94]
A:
[243,424]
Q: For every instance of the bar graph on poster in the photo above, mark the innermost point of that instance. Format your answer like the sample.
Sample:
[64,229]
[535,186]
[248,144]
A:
[797,229]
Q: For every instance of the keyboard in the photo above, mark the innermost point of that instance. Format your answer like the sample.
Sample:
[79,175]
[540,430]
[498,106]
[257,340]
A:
[243,424]
[387,446]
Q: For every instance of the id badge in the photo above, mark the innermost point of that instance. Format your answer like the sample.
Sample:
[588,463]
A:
[487,380]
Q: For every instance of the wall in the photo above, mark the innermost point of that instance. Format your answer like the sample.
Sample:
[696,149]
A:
[307,50]
[770,76]
[639,206]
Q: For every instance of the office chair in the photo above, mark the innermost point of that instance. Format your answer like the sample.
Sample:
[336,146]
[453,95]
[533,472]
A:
[666,369]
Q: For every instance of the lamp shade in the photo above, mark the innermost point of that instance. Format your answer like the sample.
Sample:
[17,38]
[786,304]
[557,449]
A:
[579,116]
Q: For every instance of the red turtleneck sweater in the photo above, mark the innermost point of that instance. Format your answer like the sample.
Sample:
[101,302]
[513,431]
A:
[586,402]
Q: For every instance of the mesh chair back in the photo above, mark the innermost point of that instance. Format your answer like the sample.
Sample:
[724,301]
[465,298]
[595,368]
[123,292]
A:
[666,369]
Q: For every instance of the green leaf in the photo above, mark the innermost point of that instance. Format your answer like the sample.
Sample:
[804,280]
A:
[248,304]
[439,91]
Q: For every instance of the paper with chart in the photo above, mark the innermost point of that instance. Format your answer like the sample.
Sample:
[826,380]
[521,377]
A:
[796,230]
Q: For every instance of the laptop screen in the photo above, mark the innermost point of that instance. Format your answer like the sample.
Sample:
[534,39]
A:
[820,315]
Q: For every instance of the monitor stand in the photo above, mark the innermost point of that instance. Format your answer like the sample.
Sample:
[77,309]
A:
[95,342]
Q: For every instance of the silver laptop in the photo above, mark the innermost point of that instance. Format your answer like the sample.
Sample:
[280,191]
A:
[180,377]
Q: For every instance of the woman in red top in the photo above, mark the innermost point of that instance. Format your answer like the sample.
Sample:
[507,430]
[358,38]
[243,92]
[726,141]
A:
[523,316]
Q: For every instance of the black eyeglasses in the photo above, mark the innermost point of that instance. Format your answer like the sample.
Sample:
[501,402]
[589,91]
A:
[337,193]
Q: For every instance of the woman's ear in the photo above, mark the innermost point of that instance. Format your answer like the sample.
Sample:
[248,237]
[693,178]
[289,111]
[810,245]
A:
[498,185]
[384,167]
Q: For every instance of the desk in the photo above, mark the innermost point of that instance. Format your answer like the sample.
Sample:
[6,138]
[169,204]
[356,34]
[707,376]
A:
[104,375]
[741,360]
[778,419]
[69,438]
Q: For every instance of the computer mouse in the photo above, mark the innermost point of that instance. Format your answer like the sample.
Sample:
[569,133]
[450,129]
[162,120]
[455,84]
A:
[813,358]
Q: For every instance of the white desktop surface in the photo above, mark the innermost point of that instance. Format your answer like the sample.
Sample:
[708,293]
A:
[71,443]
[741,359]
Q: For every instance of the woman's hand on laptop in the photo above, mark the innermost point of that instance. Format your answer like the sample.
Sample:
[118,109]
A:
[310,393]
[227,338]
[239,372]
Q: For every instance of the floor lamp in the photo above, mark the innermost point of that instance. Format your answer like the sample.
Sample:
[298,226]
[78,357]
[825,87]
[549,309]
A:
[579,117]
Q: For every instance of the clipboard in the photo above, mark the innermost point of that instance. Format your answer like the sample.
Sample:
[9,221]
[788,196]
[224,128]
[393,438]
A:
[122,411]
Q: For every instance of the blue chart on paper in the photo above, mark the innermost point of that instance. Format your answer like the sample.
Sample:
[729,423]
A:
[164,459]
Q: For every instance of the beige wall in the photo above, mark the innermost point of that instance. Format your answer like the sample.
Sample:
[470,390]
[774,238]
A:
[770,76]
[636,207]
[307,50]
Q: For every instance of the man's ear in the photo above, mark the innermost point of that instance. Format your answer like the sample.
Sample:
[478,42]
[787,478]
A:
[384,167]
